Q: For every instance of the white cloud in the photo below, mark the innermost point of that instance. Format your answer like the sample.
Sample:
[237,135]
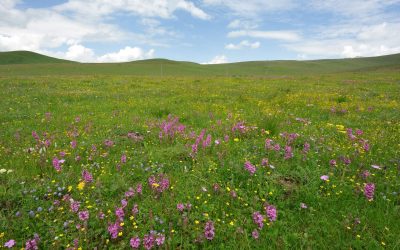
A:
[218,60]
[243,24]
[243,44]
[277,35]
[251,8]
[351,40]
[127,54]
[148,8]
[80,53]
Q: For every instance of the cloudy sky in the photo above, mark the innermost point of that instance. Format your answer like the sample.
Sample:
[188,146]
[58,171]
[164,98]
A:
[204,31]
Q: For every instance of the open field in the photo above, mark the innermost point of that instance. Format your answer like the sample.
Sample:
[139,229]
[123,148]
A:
[298,161]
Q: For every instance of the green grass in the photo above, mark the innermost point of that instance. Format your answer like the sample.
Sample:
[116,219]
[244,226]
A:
[30,64]
[318,107]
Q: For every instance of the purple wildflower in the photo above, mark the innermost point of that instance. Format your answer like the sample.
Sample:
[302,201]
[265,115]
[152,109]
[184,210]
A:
[114,229]
[249,167]
[255,234]
[56,164]
[271,212]
[9,244]
[209,230]
[288,152]
[369,191]
[160,239]
[148,241]
[73,144]
[119,212]
[258,219]
[87,176]
[75,206]
[135,242]
[83,215]
[180,207]
[135,209]
[123,158]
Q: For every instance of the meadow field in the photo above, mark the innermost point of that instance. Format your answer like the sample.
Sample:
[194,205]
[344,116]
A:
[290,161]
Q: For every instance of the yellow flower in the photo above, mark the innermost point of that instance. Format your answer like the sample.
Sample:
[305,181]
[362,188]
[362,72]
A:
[156,185]
[120,234]
[2,235]
[81,185]
[236,139]
[196,222]
[231,223]
[69,188]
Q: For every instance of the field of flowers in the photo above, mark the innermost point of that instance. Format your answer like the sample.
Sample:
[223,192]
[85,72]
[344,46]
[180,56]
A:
[205,163]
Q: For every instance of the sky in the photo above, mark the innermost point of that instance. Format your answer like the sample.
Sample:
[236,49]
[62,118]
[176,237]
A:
[202,31]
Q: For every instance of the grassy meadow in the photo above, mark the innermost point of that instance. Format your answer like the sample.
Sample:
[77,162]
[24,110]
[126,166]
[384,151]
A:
[305,161]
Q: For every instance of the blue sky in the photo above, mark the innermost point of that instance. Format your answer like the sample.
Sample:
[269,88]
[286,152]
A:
[203,31]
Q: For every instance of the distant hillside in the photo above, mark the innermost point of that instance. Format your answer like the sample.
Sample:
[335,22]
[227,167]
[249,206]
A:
[29,63]
[27,57]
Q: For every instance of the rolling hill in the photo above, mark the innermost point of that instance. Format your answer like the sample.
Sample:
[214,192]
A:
[29,63]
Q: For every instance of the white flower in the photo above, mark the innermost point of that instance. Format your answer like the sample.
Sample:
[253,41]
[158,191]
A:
[10,171]
[2,171]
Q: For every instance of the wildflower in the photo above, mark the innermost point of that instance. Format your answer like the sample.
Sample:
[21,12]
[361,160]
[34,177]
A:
[73,144]
[86,176]
[306,147]
[332,162]
[288,152]
[81,185]
[135,242]
[376,167]
[365,174]
[74,206]
[83,215]
[209,230]
[139,188]
[303,205]
[130,193]
[207,142]
[123,158]
[160,239]
[249,167]
[56,164]
[135,209]
[264,162]
[180,207]
[9,244]
[324,177]
[119,212]
[32,244]
[369,191]
[124,203]
[114,229]
[255,234]
[271,212]
[108,143]
[258,219]
[148,241]
[2,171]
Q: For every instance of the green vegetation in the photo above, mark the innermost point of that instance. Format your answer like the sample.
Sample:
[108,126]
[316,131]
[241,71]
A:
[76,144]
[162,67]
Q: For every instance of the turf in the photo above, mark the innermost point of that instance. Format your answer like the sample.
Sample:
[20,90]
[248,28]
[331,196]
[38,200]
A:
[338,136]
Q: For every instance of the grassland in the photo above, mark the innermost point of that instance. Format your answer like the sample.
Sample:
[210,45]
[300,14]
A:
[338,134]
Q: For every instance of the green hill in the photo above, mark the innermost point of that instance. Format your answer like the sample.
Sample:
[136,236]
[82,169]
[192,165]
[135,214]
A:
[27,57]
[29,63]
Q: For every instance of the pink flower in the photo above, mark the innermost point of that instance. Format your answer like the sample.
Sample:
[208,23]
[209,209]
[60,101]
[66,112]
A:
[258,219]
[180,207]
[148,241]
[9,244]
[376,167]
[271,212]
[119,212]
[324,177]
[209,230]
[369,191]
[123,158]
[86,176]
[249,167]
[75,206]
[255,234]
[160,239]
[135,242]
[113,229]
[57,164]
[83,215]
[73,144]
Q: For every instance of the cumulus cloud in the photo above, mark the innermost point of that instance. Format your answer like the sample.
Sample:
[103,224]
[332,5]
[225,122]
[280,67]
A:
[243,44]
[218,60]
[277,35]
[127,54]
